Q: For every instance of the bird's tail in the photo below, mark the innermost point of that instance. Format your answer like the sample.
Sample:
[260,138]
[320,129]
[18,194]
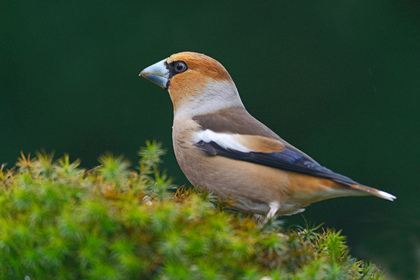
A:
[373,191]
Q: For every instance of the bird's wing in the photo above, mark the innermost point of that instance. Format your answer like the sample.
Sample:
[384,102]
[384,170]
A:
[264,151]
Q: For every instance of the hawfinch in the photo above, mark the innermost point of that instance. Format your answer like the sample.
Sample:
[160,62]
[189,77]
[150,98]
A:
[221,147]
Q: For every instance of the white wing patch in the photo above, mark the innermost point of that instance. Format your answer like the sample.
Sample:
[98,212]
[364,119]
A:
[224,140]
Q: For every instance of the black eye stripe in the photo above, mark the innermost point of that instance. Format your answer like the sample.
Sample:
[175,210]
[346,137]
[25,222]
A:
[176,67]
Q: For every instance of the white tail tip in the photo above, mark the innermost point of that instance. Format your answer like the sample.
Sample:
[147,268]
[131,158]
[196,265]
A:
[386,195]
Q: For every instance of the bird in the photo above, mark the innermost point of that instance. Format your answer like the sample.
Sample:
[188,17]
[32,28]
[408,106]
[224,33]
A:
[221,147]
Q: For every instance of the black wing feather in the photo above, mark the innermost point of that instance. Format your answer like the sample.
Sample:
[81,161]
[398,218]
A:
[287,160]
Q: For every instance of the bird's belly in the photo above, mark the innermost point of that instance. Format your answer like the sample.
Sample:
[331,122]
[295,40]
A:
[251,187]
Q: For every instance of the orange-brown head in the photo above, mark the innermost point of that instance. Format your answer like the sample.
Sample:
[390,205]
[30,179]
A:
[196,83]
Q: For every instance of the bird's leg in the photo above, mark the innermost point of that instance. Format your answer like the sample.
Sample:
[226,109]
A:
[274,206]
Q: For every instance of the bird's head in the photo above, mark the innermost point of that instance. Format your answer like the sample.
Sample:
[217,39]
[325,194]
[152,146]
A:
[197,84]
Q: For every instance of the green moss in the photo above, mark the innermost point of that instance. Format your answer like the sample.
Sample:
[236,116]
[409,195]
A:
[58,221]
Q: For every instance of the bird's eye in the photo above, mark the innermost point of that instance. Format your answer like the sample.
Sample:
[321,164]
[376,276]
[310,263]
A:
[180,67]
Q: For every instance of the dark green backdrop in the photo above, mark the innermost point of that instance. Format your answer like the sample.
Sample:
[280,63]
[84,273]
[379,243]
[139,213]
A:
[338,79]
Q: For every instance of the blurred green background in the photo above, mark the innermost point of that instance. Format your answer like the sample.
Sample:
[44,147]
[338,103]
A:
[338,79]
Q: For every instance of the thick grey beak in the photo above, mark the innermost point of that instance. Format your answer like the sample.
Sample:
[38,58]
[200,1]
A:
[157,73]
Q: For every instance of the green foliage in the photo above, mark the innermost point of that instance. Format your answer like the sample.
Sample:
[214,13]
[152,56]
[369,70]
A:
[58,221]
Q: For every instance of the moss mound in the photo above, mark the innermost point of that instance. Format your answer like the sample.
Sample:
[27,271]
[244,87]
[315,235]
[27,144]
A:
[58,221]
